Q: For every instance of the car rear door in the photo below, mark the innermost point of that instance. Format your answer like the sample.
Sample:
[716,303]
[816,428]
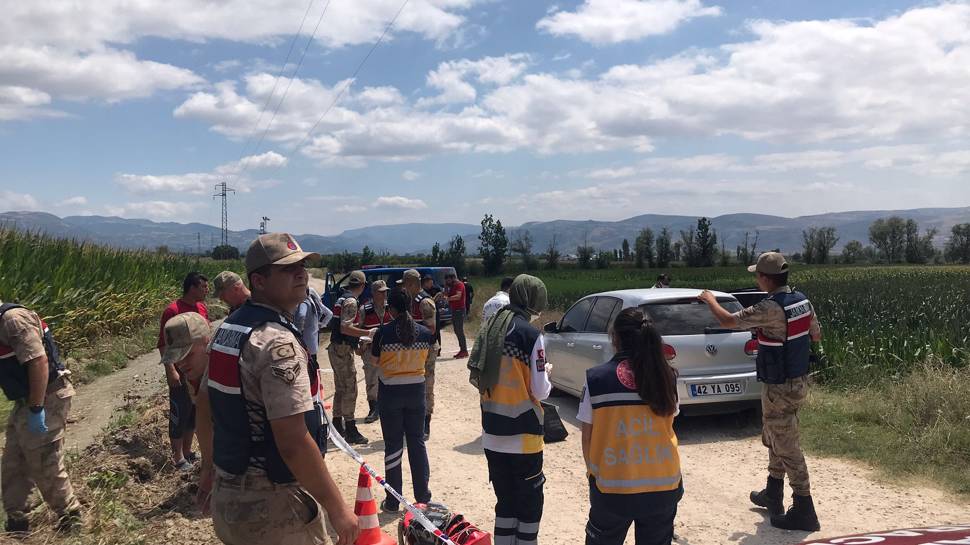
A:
[561,346]
[592,345]
[702,346]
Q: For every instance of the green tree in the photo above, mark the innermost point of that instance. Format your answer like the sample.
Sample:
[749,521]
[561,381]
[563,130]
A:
[522,245]
[706,248]
[747,252]
[888,236]
[493,245]
[958,247]
[367,256]
[226,251]
[603,259]
[584,256]
[455,255]
[852,252]
[626,250]
[643,248]
[817,243]
[665,253]
[919,249]
[552,255]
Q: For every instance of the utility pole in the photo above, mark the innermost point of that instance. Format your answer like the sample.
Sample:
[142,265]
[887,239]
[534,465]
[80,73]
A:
[223,191]
[263,224]
[198,238]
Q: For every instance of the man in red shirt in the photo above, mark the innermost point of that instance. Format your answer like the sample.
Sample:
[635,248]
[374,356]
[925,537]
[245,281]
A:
[455,292]
[181,422]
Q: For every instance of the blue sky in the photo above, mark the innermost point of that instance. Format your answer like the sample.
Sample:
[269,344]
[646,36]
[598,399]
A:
[590,109]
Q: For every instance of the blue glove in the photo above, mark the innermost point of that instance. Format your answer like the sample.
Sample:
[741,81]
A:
[37,422]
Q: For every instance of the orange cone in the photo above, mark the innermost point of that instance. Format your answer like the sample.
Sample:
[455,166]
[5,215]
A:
[366,510]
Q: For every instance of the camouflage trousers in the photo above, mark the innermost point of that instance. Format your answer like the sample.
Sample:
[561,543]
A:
[780,404]
[344,380]
[371,374]
[38,460]
[249,509]
[429,365]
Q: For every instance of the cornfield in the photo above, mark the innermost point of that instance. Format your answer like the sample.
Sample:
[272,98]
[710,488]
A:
[85,291]
[878,322]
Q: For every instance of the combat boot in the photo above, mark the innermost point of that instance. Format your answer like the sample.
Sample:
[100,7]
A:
[373,415]
[772,497]
[18,527]
[69,523]
[353,436]
[338,424]
[800,516]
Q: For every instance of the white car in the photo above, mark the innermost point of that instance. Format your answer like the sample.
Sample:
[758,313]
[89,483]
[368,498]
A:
[716,366]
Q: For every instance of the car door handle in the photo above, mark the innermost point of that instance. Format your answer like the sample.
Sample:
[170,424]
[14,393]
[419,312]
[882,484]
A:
[597,347]
[570,345]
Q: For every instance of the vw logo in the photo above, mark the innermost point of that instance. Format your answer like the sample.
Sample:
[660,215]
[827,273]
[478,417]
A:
[712,350]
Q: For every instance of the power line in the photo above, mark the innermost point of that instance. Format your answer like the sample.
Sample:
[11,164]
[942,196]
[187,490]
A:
[278,76]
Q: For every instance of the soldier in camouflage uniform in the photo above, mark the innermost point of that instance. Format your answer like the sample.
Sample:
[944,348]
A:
[33,378]
[786,324]
[424,312]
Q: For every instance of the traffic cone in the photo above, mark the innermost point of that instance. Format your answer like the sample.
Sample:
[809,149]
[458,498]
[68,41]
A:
[366,510]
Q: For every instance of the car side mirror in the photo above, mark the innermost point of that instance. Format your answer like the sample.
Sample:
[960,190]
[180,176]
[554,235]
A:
[551,327]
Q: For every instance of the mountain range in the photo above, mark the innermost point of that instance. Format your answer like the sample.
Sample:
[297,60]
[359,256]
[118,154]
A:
[412,238]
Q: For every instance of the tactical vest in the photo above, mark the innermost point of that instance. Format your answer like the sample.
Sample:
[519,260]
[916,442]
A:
[401,364]
[416,309]
[512,419]
[372,319]
[13,372]
[632,449]
[242,436]
[336,335]
[780,360]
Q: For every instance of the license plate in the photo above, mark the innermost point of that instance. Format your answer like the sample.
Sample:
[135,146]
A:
[716,389]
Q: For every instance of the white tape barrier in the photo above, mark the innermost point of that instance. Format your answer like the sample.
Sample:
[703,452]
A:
[419,517]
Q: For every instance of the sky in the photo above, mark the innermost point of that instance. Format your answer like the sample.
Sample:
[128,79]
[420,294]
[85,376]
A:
[330,115]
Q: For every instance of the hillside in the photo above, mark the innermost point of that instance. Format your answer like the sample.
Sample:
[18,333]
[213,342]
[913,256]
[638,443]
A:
[775,231]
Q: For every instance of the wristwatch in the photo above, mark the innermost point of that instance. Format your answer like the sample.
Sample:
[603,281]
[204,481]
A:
[36,409]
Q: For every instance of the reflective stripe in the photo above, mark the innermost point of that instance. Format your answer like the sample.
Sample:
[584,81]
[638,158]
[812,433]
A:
[506,522]
[521,541]
[368,521]
[225,349]
[523,443]
[802,334]
[804,302]
[511,411]
[392,465]
[606,398]
[236,327]
[402,380]
[505,540]
[636,483]
[528,528]
[394,455]
[224,389]
[364,494]
[770,343]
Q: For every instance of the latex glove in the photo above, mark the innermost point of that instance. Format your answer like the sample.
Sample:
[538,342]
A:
[37,422]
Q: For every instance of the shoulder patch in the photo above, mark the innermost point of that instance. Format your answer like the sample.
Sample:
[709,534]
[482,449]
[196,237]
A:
[282,352]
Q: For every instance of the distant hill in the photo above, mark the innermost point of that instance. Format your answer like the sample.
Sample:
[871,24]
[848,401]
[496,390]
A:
[774,231]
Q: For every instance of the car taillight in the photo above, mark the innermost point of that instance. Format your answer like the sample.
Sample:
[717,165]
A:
[751,347]
[669,352]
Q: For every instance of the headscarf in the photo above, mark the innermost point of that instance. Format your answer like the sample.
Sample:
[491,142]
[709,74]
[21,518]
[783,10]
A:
[527,298]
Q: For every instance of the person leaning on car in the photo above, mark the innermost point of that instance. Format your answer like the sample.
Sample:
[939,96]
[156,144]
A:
[786,324]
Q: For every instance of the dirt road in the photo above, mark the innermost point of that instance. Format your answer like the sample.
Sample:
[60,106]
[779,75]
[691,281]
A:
[722,462]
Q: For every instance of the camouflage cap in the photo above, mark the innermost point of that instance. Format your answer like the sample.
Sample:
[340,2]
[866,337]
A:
[225,280]
[181,332]
[770,263]
[379,285]
[357,278]
[275,249]
[410,273]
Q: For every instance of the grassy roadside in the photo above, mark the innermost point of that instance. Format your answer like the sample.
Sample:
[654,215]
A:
[915,428]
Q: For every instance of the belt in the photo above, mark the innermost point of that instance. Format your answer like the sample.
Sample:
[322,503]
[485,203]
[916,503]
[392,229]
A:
[251,480]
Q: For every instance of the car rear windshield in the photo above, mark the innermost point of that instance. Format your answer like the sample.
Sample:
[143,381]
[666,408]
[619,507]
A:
[686,316]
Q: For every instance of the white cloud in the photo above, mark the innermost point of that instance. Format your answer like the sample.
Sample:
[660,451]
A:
[201,183]
[73,201]
[18,201]
[155,209]
[614,21]
[450,78]
[410,175]
[350,209]
[399,203]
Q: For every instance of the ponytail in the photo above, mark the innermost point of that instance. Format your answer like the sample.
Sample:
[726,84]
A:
[404,324]
[656,380]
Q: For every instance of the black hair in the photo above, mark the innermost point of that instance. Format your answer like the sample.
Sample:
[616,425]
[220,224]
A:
[507,283]
[404,324]
[779,280]
[192,280]
[656,380]
[661,277]
[265,270]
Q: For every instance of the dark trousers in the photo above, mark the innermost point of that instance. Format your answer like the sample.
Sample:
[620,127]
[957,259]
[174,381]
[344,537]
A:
[402,415]
[518,481]
[610,517]
[458,322]
[181,411]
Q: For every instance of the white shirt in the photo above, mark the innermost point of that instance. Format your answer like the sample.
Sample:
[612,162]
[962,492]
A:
[493,305]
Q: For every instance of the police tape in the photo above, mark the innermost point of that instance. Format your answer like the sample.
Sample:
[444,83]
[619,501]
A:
[419,517]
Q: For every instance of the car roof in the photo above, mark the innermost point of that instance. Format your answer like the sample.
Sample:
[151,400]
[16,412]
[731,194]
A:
[650,295]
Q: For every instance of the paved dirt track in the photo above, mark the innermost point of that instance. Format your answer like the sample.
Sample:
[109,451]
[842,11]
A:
[722,462]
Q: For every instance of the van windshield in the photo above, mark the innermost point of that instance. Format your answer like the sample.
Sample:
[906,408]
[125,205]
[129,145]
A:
[686,317]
